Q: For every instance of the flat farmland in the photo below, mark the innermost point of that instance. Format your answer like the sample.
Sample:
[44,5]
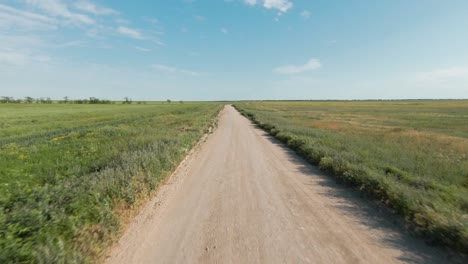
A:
[90,183]
[68,172]
[411,155]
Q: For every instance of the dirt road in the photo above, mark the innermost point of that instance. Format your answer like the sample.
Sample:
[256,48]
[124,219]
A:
[244,198]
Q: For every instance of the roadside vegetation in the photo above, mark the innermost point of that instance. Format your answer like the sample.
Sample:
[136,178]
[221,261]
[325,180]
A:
[69,171]
[411,155]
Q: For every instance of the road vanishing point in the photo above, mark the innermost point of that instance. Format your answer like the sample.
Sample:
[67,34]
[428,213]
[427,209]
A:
[243,197]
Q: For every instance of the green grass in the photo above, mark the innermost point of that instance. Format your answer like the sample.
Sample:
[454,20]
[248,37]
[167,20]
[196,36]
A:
[66,171]
[412,155]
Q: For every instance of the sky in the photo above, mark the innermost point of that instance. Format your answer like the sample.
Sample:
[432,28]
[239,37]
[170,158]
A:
[234,49]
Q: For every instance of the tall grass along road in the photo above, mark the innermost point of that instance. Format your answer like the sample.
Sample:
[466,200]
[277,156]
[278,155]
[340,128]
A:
[245,198]
[70,173]
[411,155]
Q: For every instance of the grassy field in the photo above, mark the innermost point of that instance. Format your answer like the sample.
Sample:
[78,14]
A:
[68,171]
[412,155]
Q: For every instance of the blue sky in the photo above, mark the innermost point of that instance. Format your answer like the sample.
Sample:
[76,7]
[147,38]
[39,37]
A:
[234,49]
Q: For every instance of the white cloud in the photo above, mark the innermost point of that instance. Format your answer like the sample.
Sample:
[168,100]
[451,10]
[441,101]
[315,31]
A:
[281,5]
[92,8]
[129,32]
[306,14]
[443,74]
[310,65]
[59,9]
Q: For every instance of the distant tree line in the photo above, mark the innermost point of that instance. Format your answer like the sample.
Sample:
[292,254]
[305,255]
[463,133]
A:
[27,100]
[8,99]
[91,100]
[65,100]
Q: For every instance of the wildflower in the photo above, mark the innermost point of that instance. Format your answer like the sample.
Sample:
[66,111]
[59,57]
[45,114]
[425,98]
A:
[22,157]
[58,138]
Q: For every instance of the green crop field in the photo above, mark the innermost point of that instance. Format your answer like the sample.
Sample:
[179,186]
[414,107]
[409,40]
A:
[68,170]
[412,155]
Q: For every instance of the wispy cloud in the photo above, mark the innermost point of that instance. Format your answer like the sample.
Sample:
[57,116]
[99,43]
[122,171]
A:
[73,43]
[15,58]
[23,20]
[310,65]
[164,68]
[12,58]
[31,30]
[151,20]
[130,32]
[306,14]
[173,70]
[443,74]
[142,49]
[58,8]
[92,8]
[21,50]
[11,42]
[192,73]
[199,18]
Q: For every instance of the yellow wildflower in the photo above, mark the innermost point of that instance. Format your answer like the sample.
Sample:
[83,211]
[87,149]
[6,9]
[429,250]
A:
[58,138]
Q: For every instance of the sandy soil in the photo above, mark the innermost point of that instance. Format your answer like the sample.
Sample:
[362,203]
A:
[244,198]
